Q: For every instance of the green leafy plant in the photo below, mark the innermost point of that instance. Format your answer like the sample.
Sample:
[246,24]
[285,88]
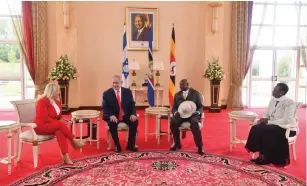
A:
[214,72]
[63,70]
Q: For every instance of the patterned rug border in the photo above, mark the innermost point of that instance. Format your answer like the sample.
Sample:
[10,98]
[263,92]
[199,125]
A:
[48,168]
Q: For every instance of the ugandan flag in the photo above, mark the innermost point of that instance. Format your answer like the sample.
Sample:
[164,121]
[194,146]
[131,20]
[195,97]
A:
[172,69]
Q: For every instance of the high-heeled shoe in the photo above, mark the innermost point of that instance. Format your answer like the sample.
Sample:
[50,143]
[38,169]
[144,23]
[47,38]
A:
[67,160]
[76,144]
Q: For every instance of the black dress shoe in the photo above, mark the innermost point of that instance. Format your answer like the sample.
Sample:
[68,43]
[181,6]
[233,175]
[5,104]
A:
[254,160]
[201,151]
[118,149]
[133,149]
[175,147]
[262,162]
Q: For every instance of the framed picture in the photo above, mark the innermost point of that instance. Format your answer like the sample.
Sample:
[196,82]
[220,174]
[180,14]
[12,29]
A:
[138,23]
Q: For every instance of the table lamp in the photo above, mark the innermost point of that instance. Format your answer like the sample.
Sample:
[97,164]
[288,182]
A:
[158,66]
[134,65]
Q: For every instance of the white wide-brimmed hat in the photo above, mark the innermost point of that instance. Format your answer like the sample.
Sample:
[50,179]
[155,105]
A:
[186,109]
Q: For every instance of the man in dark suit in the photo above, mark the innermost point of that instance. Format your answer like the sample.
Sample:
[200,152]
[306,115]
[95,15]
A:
[118,106]
[141,33]
[187,94]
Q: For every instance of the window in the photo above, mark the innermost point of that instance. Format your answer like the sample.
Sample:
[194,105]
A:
[15,82]
[277,35]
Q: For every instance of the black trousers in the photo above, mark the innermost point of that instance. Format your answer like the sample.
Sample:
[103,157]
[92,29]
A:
[132,131]
[176,122]
[270,141]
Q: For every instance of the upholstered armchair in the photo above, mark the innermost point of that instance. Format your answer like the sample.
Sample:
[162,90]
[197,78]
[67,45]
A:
[25,111]
[291,140]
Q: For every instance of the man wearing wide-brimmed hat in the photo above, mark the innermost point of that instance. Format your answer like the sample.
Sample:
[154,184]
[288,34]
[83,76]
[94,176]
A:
[187,106]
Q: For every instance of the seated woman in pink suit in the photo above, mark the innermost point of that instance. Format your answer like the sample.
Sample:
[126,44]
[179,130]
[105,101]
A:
[48,120]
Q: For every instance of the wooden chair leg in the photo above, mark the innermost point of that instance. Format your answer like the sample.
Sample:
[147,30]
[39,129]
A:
[19,149]
[127,135]
[180,134]
[293,151]
[35,155]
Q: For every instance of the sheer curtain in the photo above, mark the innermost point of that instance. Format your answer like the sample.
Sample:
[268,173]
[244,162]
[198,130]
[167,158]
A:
[244,43]
[303,30]
[23,30]
[31,32]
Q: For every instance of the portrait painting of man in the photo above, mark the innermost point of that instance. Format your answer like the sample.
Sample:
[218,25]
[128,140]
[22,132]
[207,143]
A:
[139,22]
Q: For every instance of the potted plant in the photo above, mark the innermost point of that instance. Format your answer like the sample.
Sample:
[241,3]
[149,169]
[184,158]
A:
[215,74]
[63,71]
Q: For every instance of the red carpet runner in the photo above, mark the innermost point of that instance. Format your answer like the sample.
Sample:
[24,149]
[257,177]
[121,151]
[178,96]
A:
[215,137]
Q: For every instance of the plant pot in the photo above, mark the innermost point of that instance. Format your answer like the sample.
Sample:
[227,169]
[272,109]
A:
[215,95]
[64,92]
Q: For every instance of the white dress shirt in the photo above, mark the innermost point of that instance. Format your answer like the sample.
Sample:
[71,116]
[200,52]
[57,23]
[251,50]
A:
[185,93]
[120,93]
[57,109]
[139,32]
[281,112]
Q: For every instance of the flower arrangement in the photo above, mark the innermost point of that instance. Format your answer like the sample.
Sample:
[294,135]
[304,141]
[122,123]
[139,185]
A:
[63,70]
[214,71]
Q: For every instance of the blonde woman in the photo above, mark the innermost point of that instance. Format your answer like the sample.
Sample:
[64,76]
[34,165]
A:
[48,120]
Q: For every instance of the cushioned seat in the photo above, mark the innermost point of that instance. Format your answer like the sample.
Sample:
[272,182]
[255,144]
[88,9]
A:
[28,136]
[188,124]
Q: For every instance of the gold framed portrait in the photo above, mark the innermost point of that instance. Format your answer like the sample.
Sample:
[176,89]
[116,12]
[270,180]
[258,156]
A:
[138,22]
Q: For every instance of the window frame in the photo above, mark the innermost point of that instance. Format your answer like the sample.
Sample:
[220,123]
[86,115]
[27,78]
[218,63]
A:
[275,48]
[22,78]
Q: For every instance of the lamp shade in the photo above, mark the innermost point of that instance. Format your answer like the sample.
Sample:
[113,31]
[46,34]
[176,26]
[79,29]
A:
[134,65]
[158,65]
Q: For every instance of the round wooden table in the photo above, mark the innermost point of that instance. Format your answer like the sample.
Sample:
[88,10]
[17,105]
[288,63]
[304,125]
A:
[80,115]
[8,127]
[239,115]
[157,111]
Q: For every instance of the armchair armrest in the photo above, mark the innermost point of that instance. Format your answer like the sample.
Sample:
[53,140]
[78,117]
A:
[32,126]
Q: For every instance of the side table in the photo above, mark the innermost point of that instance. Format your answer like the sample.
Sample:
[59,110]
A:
[8,127]
[80,115]
[239,115]
[157,111]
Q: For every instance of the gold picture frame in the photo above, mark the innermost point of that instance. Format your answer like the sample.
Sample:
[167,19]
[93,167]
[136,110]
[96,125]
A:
[138,22]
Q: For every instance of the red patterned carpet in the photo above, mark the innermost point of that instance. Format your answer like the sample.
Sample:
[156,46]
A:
[160,168]
[216,141]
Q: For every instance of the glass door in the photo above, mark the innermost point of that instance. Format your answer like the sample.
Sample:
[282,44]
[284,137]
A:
[261,78]
[286,70]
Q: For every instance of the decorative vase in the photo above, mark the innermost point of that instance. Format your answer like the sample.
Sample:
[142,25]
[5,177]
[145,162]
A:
[215,94]
[64,88]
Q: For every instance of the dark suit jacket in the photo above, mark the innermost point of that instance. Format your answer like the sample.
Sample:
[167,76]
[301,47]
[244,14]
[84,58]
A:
[193,95]
[143,36]
[110,105]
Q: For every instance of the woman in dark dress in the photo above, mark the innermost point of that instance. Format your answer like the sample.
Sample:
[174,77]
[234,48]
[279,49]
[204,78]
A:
[268,136]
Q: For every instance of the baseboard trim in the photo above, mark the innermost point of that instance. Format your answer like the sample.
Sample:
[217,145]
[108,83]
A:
[137,107]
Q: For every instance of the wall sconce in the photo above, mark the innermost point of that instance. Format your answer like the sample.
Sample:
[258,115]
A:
[215,16]
[66,14]
[158,66]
